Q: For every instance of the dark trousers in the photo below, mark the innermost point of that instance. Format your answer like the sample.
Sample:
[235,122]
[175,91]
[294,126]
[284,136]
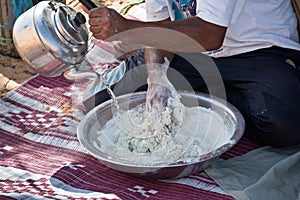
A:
[264,85]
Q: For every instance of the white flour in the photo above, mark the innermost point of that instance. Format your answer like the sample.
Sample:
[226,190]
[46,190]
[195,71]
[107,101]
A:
[156,138]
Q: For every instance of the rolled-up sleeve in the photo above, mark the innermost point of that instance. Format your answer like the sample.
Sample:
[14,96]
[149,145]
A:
[216,11]
[156,10]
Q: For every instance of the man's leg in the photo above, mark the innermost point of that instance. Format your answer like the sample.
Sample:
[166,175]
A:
[265,87]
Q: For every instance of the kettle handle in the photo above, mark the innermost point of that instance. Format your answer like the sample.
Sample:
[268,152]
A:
[88,4]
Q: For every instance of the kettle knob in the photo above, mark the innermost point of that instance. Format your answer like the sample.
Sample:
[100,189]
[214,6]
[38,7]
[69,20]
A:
[79,19]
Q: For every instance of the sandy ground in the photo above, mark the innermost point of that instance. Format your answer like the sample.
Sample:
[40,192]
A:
[14,71]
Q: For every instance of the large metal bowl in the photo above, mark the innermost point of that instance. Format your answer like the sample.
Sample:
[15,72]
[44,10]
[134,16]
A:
[97,117]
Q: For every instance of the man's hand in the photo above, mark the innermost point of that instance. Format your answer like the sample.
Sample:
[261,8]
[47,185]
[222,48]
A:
[106,22]
[158,94]
[162,97]
[159,87]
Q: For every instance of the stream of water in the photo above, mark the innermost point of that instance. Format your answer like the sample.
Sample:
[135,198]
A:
[110,92]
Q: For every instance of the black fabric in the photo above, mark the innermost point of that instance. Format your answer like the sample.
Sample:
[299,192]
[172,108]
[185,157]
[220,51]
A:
[264,85]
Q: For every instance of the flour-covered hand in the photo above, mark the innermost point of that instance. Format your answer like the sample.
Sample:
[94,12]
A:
[162,96]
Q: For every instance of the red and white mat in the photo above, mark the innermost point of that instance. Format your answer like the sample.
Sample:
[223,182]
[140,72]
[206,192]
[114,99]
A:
[41,158]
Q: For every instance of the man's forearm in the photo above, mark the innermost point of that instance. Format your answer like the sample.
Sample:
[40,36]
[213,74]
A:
[190,35]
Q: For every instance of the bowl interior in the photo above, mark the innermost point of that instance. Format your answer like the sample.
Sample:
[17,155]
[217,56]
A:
[97,118]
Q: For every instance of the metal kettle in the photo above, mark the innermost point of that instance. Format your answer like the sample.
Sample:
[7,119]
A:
[52,38]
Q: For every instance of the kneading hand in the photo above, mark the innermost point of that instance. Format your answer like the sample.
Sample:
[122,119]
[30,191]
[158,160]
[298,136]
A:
[161,94]
[159,88]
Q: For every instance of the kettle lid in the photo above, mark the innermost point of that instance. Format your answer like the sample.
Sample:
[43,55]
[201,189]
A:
[69,25]
[62,30]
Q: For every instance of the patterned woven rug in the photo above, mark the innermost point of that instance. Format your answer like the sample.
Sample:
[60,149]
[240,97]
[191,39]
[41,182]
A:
[41,158]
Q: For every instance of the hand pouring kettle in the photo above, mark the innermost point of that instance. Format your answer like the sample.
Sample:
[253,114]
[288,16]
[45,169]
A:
[52,38]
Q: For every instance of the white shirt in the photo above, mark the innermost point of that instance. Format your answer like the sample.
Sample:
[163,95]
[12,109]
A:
[251,24]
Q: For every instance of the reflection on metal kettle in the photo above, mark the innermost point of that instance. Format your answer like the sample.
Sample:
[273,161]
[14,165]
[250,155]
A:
[52,38]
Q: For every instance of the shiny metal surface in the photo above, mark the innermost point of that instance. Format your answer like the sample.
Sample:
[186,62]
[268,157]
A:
[98,116]
[51,37]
